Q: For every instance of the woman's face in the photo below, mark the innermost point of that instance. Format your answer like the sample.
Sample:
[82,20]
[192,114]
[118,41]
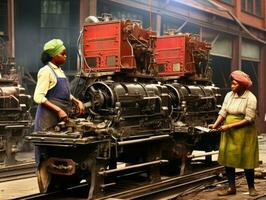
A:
[235,86]
[60,59]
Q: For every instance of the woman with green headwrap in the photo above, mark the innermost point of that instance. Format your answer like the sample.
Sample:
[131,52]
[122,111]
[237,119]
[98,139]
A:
[52,92]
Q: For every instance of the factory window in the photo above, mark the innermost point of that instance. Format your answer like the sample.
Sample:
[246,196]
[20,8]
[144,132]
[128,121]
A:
[60,19]
[175,24]
[54,13]
[123,12]
[252,6]
[250,50]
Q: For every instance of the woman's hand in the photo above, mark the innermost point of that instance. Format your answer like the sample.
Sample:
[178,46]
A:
[211,126]
[62,115]
[80,106]
[224,128]
[217,123]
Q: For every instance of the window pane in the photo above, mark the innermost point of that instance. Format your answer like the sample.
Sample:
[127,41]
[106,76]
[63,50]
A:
[250,50]
[123,12]
[258,7]
[60,19]
[54,13]
[243,4]
[170,23]
[250,6]
[222,47]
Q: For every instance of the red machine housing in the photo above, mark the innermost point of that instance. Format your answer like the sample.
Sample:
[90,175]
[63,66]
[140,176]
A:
[180,55]
[115,45]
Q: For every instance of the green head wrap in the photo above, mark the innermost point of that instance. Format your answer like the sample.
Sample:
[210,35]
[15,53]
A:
[54,47]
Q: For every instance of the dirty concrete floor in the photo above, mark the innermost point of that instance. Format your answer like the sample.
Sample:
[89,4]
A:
[241,184]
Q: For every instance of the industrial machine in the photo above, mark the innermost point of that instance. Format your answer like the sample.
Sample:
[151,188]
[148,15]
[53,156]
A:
[149,100]
[15,104]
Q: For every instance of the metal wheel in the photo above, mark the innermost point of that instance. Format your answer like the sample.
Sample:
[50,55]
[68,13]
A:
[43,177]
[52,182]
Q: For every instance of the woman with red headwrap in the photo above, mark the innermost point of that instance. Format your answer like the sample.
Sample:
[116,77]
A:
[239,142]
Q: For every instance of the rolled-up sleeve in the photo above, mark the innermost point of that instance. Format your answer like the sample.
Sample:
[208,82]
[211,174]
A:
[251,108]
[223,111]
[42,86]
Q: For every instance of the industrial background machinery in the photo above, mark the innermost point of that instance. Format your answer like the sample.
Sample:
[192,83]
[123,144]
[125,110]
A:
[15,104]
[149,100]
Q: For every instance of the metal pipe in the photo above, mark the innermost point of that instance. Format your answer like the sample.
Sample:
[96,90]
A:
[182,26]
[204,154]
[107,185]
[143,140]
[215,39]
[15,126]
[132,167]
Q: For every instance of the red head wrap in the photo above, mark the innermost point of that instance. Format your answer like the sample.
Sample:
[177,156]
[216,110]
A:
[242,78]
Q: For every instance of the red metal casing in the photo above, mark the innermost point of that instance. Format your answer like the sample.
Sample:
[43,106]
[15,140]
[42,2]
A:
[104,47]
[175,54]
[115,45]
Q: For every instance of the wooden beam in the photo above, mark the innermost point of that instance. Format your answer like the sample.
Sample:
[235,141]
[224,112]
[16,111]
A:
[262,90]
[158,24]
[87,8]
[236,53]
[10,29]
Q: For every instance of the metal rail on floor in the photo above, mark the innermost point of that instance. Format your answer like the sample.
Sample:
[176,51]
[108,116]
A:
[17,171]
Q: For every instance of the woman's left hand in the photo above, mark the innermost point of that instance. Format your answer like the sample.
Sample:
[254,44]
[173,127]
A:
[224,128]
[79,106]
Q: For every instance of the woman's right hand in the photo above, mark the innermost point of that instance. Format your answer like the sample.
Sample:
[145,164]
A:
[62,115]
[211,126]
